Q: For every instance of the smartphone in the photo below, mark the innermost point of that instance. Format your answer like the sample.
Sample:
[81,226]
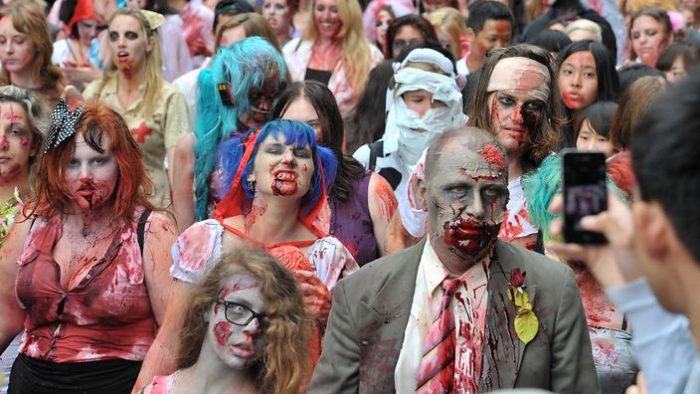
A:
[584,177]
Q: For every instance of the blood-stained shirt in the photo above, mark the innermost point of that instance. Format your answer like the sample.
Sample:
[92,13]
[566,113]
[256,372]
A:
[104,313]
[169,123]
[197,249]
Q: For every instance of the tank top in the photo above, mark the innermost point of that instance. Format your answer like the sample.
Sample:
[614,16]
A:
[352,224]
[104,314]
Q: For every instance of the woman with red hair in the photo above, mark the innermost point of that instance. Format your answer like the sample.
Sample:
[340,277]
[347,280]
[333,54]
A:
[86,278]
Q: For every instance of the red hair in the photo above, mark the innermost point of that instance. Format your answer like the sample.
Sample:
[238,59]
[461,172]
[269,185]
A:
[621,172]
[51,196]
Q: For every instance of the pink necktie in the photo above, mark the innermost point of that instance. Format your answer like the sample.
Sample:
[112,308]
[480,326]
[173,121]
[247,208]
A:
[436,371]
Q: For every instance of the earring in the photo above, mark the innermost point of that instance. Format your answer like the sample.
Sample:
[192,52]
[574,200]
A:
[251,183]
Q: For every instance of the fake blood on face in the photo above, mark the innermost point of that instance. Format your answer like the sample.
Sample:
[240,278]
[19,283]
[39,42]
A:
[284,183]
[222,332]
[492,155]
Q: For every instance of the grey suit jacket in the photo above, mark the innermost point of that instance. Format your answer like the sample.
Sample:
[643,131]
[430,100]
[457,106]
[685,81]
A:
[370,311]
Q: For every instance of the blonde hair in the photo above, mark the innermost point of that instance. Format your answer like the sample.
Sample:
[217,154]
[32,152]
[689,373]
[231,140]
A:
[585,25]
[153,81]
[355,51]
[630,7]
[28,18]
[254,25]
[287,331]
[449,21]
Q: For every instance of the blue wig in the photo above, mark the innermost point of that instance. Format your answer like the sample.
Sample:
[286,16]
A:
[295,133]
[243,66]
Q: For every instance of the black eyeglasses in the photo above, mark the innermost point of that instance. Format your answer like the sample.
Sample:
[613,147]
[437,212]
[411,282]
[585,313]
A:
[239,314]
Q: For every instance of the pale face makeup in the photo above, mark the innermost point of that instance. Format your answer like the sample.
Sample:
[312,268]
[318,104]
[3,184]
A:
[421,101]
[466,198]
[237,346]
[91,176]
[648,39]
[326,18]
[518,92]
[578,80]
[301,109]
[16,49]
[15,141]
[589,140]
[232,35]
[129,44]
[276,13]
[281,169]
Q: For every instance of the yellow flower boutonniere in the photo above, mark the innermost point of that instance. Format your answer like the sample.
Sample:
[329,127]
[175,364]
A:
[526,323]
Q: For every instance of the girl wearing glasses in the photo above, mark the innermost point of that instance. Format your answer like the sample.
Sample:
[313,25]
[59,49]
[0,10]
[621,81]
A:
[274,198]
[245,329]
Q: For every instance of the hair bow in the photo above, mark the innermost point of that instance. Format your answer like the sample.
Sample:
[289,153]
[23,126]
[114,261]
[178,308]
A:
[63,122]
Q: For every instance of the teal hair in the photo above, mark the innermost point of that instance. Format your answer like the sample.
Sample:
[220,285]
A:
[541,185]
[243,66]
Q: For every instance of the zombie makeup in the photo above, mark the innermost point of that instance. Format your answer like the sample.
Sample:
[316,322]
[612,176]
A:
[384,18]
[15,141]
[281,169]
[236,322]
[261,102]
[578,80]
[466,197]
[129,44]
[16,49]
[91,176]
[518,92]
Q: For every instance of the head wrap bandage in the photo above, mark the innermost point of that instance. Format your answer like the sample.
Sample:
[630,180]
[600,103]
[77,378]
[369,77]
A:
[520,75]
[410,79]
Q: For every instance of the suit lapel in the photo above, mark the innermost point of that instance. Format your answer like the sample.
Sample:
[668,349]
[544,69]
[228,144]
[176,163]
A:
[384,319]
[503,350]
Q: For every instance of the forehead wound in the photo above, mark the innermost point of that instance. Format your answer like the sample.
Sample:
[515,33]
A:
[520,75]
[469,151]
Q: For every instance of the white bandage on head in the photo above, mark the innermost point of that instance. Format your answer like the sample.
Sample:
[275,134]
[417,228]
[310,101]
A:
[427,56]
[520,75]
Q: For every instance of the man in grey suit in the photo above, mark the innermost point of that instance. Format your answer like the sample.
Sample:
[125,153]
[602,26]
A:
[515,318]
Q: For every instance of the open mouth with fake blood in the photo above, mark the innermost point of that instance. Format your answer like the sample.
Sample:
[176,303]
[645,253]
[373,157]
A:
[284,182]
[86,192]
[467,235]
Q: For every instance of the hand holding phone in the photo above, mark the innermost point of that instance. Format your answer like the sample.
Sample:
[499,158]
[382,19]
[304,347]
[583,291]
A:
[585,193]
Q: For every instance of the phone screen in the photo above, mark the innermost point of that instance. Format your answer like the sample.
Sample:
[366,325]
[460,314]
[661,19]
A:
[585,193]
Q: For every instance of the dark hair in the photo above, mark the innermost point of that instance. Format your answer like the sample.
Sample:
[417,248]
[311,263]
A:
[688,53]
[627,75]
[551,40]
[608,83]
[160,6]
[332,135]
[368,120]
[65,14]
[633,103]
[230,7]
[599,116]
[545,137]
[416,21]
[482,11]
[665,158]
